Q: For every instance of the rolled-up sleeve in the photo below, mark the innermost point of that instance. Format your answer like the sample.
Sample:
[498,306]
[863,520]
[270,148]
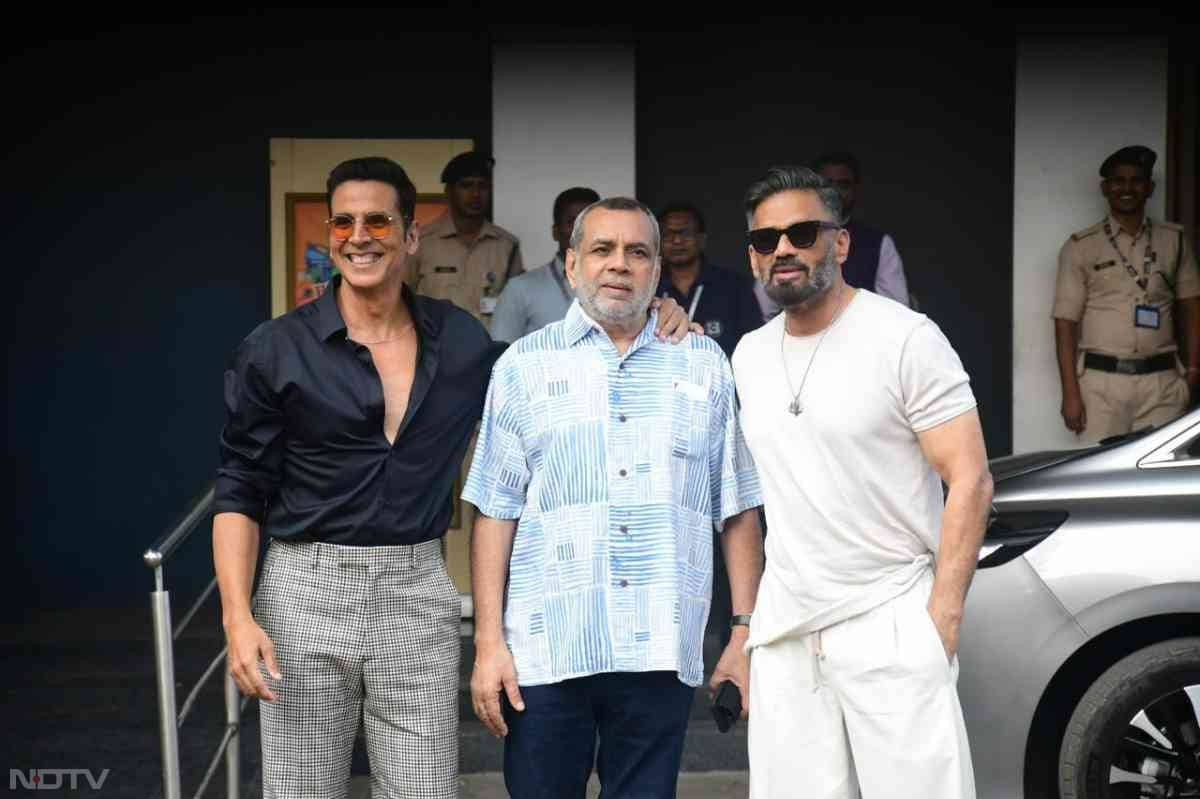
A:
[733,478]
[251,440]
[500,470]
[1070,288]
[936,388]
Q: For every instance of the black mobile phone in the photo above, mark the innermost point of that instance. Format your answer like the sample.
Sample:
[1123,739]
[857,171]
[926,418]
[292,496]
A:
[727,706]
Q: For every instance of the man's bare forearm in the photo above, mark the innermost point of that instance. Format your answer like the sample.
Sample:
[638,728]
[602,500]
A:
[963,526]
[491,548]
[235,552]
[1066,340]
[742,546]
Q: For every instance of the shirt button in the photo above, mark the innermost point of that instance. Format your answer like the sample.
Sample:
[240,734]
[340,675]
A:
[624,529]
[621,417]
[623,583]
[622,472]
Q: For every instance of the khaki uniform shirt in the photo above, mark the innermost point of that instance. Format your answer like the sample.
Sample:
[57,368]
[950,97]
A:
[1095,288]
[469,275]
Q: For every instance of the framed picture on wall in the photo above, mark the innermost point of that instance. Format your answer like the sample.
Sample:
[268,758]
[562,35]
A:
[309,266]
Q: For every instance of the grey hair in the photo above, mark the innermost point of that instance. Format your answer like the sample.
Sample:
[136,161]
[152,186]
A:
[617,204]
[794,178]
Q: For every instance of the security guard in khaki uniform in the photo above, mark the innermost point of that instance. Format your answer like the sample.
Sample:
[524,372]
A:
[463,257]
[1123,284]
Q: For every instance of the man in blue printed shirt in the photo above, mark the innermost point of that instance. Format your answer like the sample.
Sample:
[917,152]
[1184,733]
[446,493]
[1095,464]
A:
[605,460]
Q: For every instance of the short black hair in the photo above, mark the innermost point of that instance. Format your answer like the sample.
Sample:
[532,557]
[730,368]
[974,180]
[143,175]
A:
[839,158]
[384,170]
[575,194]
[794,178]
[683,208]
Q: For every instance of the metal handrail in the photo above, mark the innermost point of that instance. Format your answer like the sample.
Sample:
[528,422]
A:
[173,538]
[169,721]
[187,617]
[191,700]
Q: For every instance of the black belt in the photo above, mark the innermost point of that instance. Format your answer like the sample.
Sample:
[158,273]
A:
[1129,366]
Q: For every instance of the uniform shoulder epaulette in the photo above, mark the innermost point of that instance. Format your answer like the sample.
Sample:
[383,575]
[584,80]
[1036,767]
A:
[1083,234]
[1174,226]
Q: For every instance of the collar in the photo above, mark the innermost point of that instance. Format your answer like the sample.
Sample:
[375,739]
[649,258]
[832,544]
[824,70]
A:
[556,264]
[1119,231]
[326,317]
[702,276]
[577,324]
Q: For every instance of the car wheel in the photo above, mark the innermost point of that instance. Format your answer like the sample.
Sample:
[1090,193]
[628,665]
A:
[1135,732]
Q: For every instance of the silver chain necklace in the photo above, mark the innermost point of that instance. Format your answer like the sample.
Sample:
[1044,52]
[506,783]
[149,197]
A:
[794,407]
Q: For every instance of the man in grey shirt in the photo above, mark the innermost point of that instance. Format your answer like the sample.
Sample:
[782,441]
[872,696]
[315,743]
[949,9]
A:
[533,300]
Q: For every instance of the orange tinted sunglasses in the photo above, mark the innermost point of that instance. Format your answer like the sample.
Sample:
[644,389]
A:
[377,223]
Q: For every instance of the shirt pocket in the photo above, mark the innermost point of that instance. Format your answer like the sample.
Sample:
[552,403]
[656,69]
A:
[1107,279]
[440,280]
[691,414]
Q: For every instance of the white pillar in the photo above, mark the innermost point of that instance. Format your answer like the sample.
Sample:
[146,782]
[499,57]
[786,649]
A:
[1078,99]
[562,116]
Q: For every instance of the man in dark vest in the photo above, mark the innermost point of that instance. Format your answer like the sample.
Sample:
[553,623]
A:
[874,263]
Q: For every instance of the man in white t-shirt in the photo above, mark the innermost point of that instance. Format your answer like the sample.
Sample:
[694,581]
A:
[855,409]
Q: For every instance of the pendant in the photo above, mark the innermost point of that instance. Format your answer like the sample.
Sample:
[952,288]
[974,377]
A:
[794,409]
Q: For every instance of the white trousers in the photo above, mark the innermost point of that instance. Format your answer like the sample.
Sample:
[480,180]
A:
[866,707]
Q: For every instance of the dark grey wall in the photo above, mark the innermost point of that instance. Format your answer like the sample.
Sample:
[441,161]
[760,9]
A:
[929,111]
[136,217]
[136,220]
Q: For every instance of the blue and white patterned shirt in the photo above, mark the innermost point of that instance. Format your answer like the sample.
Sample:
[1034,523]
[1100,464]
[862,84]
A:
[618,467]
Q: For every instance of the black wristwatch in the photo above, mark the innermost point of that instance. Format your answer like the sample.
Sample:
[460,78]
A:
[741,618]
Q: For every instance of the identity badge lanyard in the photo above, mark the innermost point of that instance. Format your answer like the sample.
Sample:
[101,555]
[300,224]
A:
[1144,314]
[694,304]
[1147,258]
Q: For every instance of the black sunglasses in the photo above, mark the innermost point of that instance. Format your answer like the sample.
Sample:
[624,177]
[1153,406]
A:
[801,235]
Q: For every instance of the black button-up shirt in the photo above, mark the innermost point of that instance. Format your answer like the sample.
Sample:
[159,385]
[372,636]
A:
[727,309]
[303,450]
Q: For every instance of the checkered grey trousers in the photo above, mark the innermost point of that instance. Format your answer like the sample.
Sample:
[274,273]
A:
[360,632]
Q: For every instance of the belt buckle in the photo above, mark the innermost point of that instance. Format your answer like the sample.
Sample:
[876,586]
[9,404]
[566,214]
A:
[1128,367]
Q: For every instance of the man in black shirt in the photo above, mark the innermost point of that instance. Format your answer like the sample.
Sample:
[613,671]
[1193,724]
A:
[347,422]
[719,300]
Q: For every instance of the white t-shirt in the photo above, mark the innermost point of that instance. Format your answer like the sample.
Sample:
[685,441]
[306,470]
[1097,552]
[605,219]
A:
[854,510]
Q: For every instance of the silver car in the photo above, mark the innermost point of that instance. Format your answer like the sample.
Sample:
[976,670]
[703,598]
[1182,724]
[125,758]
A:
[1080,648]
